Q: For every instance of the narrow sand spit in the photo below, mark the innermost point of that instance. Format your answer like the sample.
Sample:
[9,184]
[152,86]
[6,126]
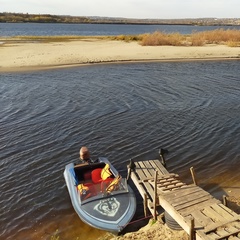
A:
[36,55]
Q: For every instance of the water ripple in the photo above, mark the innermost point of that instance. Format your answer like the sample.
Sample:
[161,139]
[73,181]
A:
[119,111]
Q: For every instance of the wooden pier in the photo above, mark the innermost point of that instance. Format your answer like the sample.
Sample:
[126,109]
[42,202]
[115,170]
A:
[195,210]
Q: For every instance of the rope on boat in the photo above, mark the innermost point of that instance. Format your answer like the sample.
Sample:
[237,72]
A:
[138,220]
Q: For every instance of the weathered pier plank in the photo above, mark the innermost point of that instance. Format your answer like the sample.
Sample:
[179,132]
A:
[186,204]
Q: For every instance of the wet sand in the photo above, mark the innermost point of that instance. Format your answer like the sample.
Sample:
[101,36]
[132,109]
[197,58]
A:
[22,56]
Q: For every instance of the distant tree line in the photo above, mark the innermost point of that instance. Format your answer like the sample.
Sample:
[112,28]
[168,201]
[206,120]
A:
[40,18]
[47,18]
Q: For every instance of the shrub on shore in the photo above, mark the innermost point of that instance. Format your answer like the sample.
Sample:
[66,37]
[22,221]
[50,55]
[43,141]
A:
[127,38]
[218,36]
[160,39]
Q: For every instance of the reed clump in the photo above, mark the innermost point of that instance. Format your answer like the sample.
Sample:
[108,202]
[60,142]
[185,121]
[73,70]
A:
[219,36]
[127,38]
[160,38]
[229,37]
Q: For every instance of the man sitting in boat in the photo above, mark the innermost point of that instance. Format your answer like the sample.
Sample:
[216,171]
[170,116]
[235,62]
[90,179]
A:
[85,155]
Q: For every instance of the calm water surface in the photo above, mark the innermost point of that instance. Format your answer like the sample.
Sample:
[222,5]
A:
[120,111]
[45,29]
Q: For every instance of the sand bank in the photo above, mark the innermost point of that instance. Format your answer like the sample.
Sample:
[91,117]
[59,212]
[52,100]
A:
[35,55]
[155,230]
[160,231]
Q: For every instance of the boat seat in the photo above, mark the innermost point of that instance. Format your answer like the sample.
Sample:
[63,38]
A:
[96,175]
[83,171]
[87,175]
[101,174]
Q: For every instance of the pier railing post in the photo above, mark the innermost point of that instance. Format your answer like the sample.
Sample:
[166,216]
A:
[155,196]
[193,175]
[130,168]
[192,231]
[145,204]
[225,200]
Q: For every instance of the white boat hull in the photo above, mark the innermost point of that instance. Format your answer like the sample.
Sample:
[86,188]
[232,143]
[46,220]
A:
[110,212]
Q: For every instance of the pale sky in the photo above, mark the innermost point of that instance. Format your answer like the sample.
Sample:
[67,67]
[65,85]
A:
[160,9]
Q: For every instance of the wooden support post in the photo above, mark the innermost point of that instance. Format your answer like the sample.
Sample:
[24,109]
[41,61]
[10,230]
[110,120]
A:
[128,173]
[192,231]
[131,166]
[145,204]
[193,175]
[225,200]
[161,153]
[155,195]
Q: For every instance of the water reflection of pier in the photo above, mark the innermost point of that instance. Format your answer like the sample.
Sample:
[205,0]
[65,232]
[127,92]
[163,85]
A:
[195,210]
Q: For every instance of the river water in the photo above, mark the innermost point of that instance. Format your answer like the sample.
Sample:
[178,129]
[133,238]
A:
[120,111]
[46,29]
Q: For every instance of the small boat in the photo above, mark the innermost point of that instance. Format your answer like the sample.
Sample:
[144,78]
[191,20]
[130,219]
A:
[99,195]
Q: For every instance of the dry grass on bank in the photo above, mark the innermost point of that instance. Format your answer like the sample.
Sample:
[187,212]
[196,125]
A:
[162,39]
[68,38]
[228,37]
[127,38]
[48,39]
[218,36]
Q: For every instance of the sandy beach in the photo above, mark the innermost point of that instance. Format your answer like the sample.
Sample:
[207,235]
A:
[22,56]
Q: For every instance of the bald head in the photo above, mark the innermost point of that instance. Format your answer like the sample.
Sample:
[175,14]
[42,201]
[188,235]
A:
[84,153]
